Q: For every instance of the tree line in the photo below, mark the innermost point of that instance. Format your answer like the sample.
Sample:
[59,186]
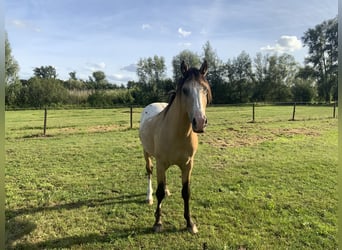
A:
[264,78]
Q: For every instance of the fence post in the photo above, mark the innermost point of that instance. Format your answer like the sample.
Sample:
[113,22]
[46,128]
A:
[294,112]
[253,116]
[131,116]
[45,118]
[334,110]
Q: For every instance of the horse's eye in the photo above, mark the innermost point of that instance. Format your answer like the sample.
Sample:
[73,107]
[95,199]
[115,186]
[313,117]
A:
[186,91]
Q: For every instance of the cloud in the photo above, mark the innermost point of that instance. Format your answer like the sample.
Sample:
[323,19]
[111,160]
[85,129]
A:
[146,26]
[290,42]
[203,31]
[95,66]
[20,24]
[184,33]
[284,44]
[186,44]
[130,68]
[119,78]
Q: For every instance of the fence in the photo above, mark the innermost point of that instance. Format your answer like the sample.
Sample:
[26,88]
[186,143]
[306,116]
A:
[129,116]
[294,105]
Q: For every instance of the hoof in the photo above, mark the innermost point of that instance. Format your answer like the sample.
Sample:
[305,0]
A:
[157,228]
[193,229]
[149,201]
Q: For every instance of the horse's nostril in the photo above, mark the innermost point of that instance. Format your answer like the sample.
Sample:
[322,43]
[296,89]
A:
[205,121]
[194,123]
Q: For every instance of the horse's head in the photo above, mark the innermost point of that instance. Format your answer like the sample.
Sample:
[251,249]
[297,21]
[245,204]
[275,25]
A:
[195,94]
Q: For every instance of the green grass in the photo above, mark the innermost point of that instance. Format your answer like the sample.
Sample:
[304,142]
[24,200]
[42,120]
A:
[264,185]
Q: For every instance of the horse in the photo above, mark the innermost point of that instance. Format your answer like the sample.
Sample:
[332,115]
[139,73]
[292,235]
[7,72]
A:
[168,132]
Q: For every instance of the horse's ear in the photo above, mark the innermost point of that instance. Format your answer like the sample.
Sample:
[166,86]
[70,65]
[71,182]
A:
[184,68]
[204,68]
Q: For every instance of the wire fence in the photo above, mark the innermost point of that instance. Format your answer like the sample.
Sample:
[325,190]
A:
[47,120]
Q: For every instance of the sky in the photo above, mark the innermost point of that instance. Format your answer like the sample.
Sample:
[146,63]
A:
[112,35]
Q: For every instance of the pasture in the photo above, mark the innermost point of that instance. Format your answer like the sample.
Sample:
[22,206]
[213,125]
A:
[264,185]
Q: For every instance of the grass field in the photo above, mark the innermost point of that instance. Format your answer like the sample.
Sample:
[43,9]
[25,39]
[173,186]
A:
[264,185]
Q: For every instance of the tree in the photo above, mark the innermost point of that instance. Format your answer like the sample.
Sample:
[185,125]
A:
[323,52]
[211,57]
[215,74]
[189,57]
[283,70]
[274,75]
[73,83]
[302,90]
[151,70]
[306,72]
[12,82]
[98,80]
[239,75]
[151,74]
[73,75]
[44,92]
[99,76]
[262,86]
[11,65]
[45,72]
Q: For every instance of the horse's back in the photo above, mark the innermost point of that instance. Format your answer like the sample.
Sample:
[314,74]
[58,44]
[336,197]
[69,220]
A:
[151,110]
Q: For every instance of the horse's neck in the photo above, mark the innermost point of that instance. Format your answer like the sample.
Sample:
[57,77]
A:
[178,120]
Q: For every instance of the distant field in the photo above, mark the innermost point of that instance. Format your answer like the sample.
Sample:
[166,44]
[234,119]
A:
[270,184]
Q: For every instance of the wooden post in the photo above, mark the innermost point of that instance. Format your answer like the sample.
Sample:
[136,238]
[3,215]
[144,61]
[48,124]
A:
[294,112]
[334,111]
[131,116]
[45,116]
[253,119]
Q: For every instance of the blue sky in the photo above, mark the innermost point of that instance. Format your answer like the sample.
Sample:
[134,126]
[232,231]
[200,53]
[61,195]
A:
[89,35]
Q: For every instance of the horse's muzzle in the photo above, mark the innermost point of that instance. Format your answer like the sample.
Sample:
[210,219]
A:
[199,124]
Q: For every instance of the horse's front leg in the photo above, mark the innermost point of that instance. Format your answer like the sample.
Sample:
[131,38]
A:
[186,173]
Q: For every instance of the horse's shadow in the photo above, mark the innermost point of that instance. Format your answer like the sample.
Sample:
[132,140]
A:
[123,199]
[18,228]
[68,242]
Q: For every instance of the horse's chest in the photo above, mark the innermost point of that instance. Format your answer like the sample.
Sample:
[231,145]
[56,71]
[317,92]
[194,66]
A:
[175,151]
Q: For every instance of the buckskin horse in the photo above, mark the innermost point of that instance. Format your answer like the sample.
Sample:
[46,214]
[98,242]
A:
[168,132]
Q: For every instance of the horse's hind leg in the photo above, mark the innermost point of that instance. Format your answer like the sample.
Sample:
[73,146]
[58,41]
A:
[160,193]
[149,168]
